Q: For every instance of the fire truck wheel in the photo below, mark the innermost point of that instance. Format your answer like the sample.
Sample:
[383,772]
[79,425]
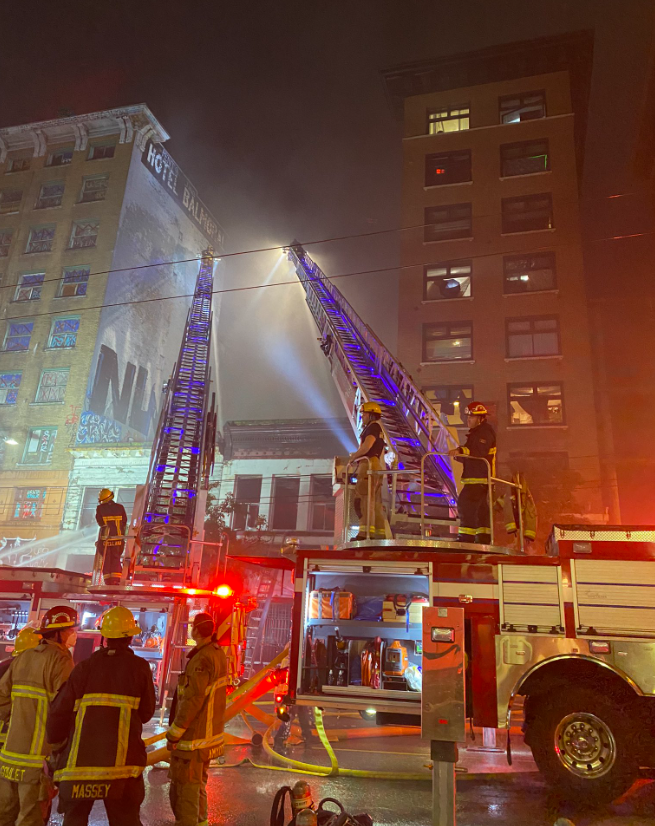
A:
[581,743]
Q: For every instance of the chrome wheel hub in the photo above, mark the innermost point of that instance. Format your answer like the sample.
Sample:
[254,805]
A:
[585,745]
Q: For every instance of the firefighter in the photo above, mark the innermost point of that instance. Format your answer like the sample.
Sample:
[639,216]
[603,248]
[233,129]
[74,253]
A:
[112,519]
[371,446]
[95,725]
[27,638]
[26,691]
[473,500]
[195,735]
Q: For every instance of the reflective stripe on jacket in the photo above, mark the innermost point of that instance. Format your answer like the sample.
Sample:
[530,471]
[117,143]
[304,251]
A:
[26,691]
[480,444]
[99,714]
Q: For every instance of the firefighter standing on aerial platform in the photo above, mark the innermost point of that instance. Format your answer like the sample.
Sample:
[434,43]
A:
[371,446]
[473,500]
[112,519]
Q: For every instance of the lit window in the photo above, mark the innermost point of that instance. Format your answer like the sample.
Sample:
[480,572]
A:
[286,490]
[445,223]
[39,446]
[518,108]
[448,342]
[247,493]
[529,337]
[50,195]
[60,157]
[63,333]
[10,200]
[322,504]
[100,151]
[9,384]
[529,273]
[535,404]
[448,119]
[74,282]
[41,239]
[28,503]
[52,386]
[528,213]
[450,401]
[84,234]
[449,280]
[18,335]
[94,188]
[525,158]
[19,164]
[29,288]
[5,242]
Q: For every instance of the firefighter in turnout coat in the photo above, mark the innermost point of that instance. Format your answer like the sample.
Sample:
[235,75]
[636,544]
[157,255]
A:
[27,638]
[26,691]
[95,725]
[473,500]
[112,519]
[195,735]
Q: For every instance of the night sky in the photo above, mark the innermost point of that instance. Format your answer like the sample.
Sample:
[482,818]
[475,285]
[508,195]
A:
[277,112]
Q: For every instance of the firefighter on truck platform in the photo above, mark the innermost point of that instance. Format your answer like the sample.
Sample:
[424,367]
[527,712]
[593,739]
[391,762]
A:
[112,519]
[371,446]
[95,725]
[26,691]
[473,500]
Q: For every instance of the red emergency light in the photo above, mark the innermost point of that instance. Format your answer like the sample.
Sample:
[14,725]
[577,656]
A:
[223,591]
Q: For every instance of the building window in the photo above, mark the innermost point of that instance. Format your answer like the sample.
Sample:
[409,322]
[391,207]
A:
[41,239]
[9,384]
[286,491]
[448,280]
[529,273]
[18,335]
[448,168]
[50,195]
[94,188]
[5,242]
[10,200]
[247,495]
[63,333]
[528,337]
[52,386]
[60,157]
[28,503]
[524,158]
[84,234]
[322,517]
[19,164]
[535,404]
[74,282]
[528,213]
[517,108]
[100,151]
[450,402]
[445,223]
[448,119]
[29,288]
[39,446]
[448,342]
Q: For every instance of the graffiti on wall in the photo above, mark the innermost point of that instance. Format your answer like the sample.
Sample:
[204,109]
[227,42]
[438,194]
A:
[94,429]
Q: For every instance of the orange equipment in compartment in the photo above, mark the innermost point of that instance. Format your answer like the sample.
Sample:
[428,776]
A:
[372,663]
[331,604]
[395,660]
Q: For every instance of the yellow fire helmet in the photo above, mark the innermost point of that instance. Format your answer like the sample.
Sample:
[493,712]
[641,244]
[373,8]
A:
[105,495]
[118,622]
[371,407]
[27,638]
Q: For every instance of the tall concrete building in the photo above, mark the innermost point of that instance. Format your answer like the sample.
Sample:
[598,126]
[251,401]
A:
[99,229]
[492,294]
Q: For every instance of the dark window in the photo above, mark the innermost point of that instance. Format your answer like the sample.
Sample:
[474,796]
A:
[28,503]
[39,445]
[19,164]
[94,188]
[10,200]
[41,239]
[528,212]
[286,490]
[61,157]
[527,106]
[450,401]
[535,404]
[74,282]
[247,495]
[448,119]
[451,279]
[322,504]
[447,222]
[5,242]
[100,151]
[524,158]
[63,332]
[50,195]
[89,505]
[541,463]
[447,168]
[18,335]
[29,288]
[533,337]
[126,497]
[529,273]
[447,342]
[9,384]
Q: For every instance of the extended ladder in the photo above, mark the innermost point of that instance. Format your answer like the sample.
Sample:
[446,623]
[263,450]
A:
[256,631]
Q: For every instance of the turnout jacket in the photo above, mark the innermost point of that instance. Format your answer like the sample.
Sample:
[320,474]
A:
[26,692]
[112,519]
[198,710]
[99,715]
[480,442]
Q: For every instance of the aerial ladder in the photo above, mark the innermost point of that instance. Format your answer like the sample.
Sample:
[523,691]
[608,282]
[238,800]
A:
[364,370]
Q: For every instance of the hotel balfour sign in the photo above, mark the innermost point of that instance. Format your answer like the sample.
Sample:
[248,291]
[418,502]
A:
[171,177]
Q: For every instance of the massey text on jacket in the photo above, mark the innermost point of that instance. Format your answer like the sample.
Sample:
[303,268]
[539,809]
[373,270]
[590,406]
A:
[90,791]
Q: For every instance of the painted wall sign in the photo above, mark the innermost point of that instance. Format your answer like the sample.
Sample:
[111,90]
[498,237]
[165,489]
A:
[170,176]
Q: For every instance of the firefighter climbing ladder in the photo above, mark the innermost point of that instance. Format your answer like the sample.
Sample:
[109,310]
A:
[364,370]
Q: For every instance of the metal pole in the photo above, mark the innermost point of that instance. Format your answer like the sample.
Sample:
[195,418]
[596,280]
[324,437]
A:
[443,788]
[519,498]
[369,481]
[423,497]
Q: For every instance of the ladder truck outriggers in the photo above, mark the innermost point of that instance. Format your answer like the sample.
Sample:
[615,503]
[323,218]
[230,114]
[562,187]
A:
[569,635]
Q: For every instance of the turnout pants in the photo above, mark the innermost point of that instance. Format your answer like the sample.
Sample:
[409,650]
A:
[21,804]
[376,529]
[188,789]
[121,810]
[473,513]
